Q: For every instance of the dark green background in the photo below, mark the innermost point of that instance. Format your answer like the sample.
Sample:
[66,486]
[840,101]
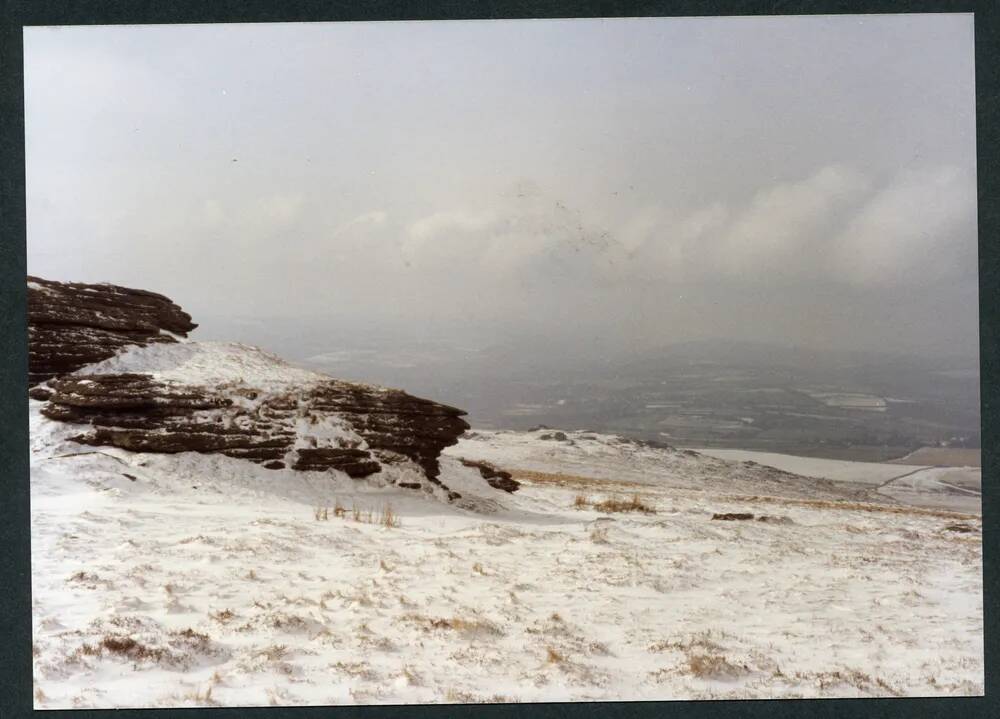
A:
[15,582]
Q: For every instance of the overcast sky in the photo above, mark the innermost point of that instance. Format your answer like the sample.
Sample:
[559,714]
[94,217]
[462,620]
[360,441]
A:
[809,181]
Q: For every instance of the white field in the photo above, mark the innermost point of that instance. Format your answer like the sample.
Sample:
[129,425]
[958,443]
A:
[836,469]
[209,581]
[957,488]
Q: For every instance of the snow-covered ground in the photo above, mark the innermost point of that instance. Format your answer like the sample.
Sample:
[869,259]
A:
[208,364]
[190,580]
[957,488]
[838,469]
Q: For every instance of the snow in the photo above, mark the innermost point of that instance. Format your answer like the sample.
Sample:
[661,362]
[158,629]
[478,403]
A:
[237,595]
[957,488]
[174,336]
[208,364]
[836,469]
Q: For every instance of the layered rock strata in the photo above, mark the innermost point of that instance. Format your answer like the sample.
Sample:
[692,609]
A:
[71,325]
[117,360]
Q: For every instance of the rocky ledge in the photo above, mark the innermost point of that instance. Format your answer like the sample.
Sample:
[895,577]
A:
[169,396]
[71,325]
[326,425]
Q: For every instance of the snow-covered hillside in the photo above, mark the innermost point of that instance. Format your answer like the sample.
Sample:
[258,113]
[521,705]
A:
[958,488]
[190,579]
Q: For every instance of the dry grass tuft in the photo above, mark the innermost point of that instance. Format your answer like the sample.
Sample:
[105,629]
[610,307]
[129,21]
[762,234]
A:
[580,501]
[468,627]
[273,653]
[553,657]
[387,518]
[713,666]
[455,696]
[201,698]
[851,677]
[355,669]
[130,648]
[599,535]
[222,616]
[632,504]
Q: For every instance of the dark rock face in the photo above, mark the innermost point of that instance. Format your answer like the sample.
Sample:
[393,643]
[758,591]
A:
[733,516]
[961,528]
[71,324]
[496,478]
[142,414]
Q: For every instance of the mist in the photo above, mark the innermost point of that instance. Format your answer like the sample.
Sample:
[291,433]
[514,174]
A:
[620,183]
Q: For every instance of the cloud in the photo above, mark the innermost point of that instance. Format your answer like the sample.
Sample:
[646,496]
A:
[281,209]
[527,237]
[836,225]
[781,228]
[917,227]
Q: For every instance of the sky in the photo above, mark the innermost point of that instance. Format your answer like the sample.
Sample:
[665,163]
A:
[806,181]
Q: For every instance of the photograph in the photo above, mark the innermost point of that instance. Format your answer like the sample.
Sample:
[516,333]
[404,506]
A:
[503,361]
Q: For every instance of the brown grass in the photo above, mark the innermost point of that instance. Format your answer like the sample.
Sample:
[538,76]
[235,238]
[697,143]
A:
[852,677]
[553,657]
[273,653]
[198,697]
[713,666]
[599,535]
[387,518]
[454,696]
[632,504]
[852,506]
[223,616]
[468,627]
[614,504]
[130,648]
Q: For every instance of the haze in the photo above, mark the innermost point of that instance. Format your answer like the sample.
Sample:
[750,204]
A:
[804,181]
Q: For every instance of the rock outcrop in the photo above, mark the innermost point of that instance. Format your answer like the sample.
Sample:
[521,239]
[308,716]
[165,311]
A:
[169,396]
[327,425]
[71,325]
[494,476]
